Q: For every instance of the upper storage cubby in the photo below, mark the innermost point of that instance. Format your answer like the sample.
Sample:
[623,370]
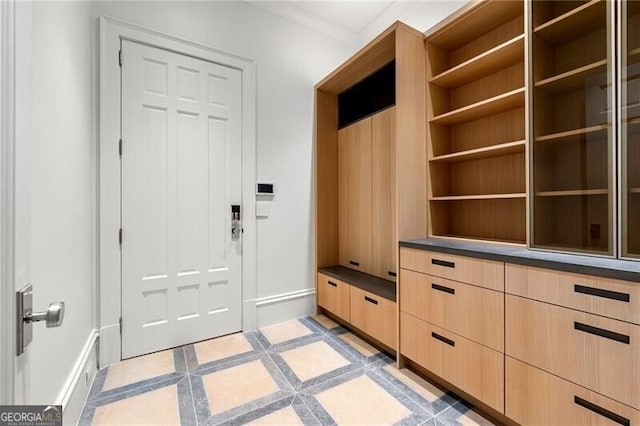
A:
[476,124]
[572,126]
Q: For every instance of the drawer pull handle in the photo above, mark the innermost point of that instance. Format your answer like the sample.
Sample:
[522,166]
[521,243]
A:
[443,263]
[607,334]
[602,411]
[391,273]
[443,288]
[351,262]
[607,294]
[332,284]
[443,339]
[370,300]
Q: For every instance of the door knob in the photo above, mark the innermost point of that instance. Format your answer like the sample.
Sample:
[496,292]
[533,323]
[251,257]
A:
[54,315]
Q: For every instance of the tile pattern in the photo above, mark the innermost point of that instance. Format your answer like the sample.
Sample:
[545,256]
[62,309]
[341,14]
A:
[310,371]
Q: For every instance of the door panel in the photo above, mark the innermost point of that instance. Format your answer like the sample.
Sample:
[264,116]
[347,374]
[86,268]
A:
[354,196]
[181,171]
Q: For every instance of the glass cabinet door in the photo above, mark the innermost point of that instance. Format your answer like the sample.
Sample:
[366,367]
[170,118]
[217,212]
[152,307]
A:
[630,128]
[572,143]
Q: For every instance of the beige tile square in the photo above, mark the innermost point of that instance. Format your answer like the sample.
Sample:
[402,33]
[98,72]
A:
[313,360]
[238,385]
[326,322]
[362,401]
[423,388]
[159,407]
[358,344]
[279,333]
[286,416]
[139,368]
[222,347]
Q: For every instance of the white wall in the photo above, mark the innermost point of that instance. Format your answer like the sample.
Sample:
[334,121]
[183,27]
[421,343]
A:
[55,128]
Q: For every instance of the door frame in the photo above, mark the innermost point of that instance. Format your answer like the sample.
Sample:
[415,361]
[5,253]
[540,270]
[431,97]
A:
[109,177]
[7,200]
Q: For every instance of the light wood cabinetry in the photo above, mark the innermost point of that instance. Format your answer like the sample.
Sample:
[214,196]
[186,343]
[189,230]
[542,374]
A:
[483,273]
[601,296]
[476,124]
[354,196]
[374,315]
[593,351]
[572,126]
[534,397]
[334,296]
[474,368]
[464,309]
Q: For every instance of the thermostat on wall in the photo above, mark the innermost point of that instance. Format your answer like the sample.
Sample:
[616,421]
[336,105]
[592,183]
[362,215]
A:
[264,189]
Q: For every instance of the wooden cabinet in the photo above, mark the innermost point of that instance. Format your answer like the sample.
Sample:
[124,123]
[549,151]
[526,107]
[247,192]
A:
[534,397]
[472,367]
[334,296]
[464,309]
[354,196]
[610,298]
[630,127]
[476,124]
[383,194]
[374,315]
[572,138]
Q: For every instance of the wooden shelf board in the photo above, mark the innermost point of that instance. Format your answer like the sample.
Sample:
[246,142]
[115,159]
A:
[472,22]
[633,121]
[576,192]
[484,152]
[573,24]
[572,79]
[479,197]
[635,190]
[495,105]
[634,52]
[571,133]
[501,56]
[520,243]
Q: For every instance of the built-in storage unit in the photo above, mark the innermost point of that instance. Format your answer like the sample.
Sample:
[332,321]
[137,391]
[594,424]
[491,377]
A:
[370,177]
[630,129]
[476,124]
[572,140]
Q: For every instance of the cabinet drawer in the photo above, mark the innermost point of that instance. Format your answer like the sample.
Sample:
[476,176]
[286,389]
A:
[484,273]
[374,315]
[534,397]
[472,367]
[472,312]
[611,298]
[598,353]
[333,295]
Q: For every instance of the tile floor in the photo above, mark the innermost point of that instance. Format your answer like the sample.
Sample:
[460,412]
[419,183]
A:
[308,371]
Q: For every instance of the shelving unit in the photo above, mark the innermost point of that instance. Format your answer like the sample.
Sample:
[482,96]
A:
[476,125]
[572,133]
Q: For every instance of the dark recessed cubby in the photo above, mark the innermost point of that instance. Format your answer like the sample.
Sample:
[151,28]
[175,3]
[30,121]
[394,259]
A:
[370,95]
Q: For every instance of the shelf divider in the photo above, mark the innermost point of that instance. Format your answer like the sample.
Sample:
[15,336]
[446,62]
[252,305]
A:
[490,106]
[574,23]
[572,192]
[484,152]
[480,197]
[573,78]
[571,133]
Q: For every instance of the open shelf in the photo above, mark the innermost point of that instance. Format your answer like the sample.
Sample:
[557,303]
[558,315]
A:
[501,56]
[577,192]
[479,197]
[572,79]
[485,152]
[574,23]
[571,133]
[494,105]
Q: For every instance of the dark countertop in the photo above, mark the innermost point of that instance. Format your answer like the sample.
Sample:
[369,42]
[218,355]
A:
[627,270]
[375,285]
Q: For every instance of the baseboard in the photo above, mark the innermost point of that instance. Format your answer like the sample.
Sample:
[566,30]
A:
[76,388]
[285,306]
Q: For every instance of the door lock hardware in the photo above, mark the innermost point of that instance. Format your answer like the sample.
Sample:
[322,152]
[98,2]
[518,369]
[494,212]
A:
[236,228]
[25,317]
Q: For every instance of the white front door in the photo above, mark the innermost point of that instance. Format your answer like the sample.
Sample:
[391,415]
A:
[181,172]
